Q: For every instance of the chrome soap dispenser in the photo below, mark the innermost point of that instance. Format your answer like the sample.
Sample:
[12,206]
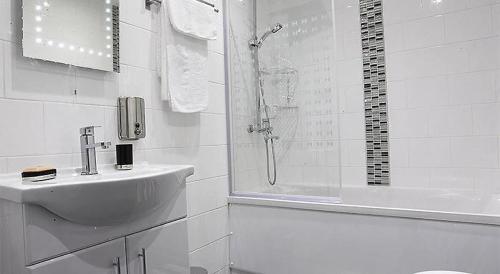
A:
[131,118]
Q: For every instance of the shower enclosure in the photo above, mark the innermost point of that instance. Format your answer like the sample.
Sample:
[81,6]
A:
[283,98]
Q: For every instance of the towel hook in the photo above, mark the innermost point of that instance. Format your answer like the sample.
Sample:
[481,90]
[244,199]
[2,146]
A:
[151,2]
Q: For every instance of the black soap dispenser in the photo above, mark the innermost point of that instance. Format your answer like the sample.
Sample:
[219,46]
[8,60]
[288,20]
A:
[124,157]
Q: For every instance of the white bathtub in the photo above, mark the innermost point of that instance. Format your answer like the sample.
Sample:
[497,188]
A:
[433,204]
[372,230]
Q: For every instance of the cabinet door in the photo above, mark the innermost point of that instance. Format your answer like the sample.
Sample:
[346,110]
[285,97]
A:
[161,250]
[107,258]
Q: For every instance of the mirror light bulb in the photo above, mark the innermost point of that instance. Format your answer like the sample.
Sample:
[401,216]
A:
[50,42]
[99,53]
[38,29]
[108,55]
[38,18]
[108,28]
[82,49]
[38,40]
[46,4]
[71,47]
[91,51]
[108,46]
[61,45]
[108,10]
[38,7]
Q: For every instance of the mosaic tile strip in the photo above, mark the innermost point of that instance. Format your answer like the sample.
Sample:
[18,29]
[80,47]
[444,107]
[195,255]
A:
[375,92]
[116,39]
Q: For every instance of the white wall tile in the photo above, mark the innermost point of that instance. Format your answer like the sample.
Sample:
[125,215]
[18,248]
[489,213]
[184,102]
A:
[479,152]
[429,152]
[217,98]
[424,32]
[486,119]
[352,126]
[495,12]
[23,128]
[206,195]
[469,24]
[208,227]
[484,54]
[17,164]
[409,123]
[96,87]
[450,121]
[47,81]
[397,95]
[63,123]
[212,129]
[3,165]
[170,129]
[427,62]
[209,161]
[137,47]
[135,13]
[218,44]
[430,91]
[353,152]
[354,176]
[399,152]
[2,71]
[410,177]
[469,88]
[212,257]
[452,178]
[351,99]
[487,181]
[137,82]
[349,72]
[10,20]
[216,68]
[394,39]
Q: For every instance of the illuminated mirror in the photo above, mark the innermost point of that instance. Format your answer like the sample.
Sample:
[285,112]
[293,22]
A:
[83,33]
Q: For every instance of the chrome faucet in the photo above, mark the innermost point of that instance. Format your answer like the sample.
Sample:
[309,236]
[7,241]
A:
[88,146]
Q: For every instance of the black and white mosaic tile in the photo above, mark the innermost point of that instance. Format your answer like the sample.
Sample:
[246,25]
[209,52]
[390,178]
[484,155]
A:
[375,92]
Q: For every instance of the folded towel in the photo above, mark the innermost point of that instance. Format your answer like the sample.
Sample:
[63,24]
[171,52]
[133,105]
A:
[193,18]
[183,67]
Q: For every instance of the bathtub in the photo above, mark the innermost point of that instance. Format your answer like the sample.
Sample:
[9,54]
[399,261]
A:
[366,230]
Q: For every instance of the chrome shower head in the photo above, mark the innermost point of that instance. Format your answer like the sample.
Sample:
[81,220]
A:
[257,42]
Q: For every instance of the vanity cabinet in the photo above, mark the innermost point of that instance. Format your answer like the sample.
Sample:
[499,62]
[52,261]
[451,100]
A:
[146,228]
[159,250]
[162,249]
[107,258]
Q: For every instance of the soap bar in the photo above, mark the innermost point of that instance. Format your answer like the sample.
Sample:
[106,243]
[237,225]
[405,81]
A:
[39,173]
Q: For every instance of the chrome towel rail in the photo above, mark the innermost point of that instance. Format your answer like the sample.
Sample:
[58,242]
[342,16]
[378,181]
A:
[151,2]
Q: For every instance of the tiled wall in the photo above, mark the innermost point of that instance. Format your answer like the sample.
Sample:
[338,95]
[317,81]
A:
[443,71]
[40,117]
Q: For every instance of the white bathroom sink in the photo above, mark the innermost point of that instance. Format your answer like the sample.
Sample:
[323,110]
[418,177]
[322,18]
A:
[109,198]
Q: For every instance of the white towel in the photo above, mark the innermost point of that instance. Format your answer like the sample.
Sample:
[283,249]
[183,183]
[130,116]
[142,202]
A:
[193,18]
[183,67]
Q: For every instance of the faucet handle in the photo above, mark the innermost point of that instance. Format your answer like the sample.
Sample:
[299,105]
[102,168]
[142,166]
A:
[88,130]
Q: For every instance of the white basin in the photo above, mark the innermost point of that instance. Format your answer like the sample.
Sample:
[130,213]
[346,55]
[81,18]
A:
[109,198]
